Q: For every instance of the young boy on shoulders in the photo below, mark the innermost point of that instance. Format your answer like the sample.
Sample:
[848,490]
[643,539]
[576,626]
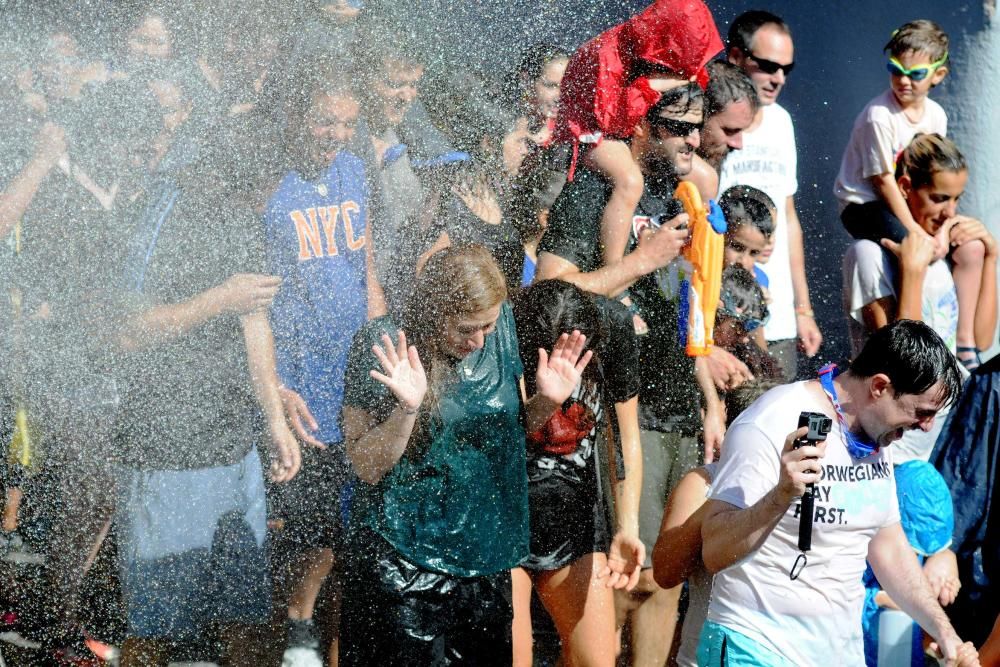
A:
[872,205]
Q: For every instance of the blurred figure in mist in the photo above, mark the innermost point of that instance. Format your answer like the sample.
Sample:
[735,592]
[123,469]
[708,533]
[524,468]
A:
[318,242]
[200,406]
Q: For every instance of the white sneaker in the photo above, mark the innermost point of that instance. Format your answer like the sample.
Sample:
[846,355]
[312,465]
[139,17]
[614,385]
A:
[300,656]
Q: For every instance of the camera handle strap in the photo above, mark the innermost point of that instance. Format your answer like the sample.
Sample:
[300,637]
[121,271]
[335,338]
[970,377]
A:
[856,447]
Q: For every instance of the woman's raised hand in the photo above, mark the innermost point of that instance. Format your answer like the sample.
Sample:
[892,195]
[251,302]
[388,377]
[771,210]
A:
[559,372]
[403,373]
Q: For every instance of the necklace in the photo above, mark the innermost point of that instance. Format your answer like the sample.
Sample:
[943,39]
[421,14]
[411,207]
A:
[857,447]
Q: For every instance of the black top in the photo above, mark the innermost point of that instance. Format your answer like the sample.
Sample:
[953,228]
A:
[189,403]
[668,396]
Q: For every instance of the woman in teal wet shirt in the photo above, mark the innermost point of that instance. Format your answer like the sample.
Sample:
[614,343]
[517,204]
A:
[434,425]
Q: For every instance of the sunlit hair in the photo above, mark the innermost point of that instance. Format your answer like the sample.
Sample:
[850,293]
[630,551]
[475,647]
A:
[916,36]
[456,282]
[678,100]
[728,84]
[746,205]
[929,154]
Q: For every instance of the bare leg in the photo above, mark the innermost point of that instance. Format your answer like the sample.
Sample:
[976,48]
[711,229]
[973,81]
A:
[968,275]
[653,622]
[583,610]
[614,161]
[11,507]
[315,566]
[521,626]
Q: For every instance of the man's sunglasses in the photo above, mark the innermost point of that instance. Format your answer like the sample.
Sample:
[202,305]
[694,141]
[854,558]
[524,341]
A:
[917,73]
[770,67]
[678,128]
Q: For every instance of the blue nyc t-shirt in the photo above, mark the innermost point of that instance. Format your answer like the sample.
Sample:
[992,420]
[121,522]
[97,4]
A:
[316,240]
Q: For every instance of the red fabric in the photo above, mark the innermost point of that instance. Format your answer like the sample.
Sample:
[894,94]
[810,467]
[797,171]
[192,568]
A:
[564,430]
[597,94]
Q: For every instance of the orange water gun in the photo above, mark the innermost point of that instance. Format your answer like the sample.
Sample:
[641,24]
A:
[699,294]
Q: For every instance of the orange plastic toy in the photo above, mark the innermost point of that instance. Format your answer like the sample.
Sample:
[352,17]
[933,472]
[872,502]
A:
[705,253]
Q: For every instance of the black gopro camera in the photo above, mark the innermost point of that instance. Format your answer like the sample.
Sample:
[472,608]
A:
[819,426]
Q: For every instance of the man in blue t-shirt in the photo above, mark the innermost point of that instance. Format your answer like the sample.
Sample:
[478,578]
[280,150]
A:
[317,240]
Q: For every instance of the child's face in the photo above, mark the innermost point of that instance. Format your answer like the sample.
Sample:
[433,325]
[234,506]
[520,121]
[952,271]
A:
[744,246]
[729,332]
[906,89]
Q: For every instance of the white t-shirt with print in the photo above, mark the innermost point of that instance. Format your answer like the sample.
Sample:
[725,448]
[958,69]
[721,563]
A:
[768,162]
[815,619]
[881,131]
[869,275]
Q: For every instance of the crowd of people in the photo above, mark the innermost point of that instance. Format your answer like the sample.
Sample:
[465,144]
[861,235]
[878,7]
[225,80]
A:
[317,351]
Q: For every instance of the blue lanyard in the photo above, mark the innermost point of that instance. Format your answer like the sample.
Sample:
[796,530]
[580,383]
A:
[856,447]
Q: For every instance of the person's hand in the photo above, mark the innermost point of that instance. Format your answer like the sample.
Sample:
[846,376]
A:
[799,467]
[964,230]
[404,374]
[941,571]
[625,557]
[299,416]
[954,652]
[286,459]
[726,370]
[50,143]
[658,247]
[244,293]
[809,336]
[915,253]
[713,432]
[559,373]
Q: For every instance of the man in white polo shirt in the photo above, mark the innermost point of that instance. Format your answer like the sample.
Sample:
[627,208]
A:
[760,43]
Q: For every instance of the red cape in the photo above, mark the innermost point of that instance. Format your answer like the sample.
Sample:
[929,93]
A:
[597,95]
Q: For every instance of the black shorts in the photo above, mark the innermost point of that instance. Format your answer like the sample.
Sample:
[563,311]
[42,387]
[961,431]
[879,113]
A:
[568,522]
[313,503]
[872,221]
[398,613]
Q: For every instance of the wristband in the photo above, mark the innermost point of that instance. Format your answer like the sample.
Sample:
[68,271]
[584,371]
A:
[407,411]
[805,312]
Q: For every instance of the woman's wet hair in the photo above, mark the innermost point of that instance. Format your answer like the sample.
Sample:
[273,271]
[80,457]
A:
[547,309]
[455,282]
[929,154]
[746,205]
[529,69]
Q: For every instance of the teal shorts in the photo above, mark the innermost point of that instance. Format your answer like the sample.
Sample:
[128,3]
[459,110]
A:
[720,646]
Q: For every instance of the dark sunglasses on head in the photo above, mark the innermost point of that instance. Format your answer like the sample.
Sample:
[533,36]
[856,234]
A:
[770,67]
[678,128]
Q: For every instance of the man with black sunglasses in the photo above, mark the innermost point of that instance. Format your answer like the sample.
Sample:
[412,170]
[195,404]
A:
[663,144]
[760,44]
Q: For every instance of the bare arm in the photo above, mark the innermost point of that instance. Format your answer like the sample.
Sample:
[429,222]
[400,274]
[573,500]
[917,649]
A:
[809,333]
[968,230]
[656,249]
[260,357]
[714,423]
[678,547]
[50,144]
[241,294]
[376,296]
[896,567]
[374,449]
[628,490]
[730,534]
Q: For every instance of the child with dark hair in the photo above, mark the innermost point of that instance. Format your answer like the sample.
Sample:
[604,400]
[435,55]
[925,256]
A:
[750,216]
[740,319]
